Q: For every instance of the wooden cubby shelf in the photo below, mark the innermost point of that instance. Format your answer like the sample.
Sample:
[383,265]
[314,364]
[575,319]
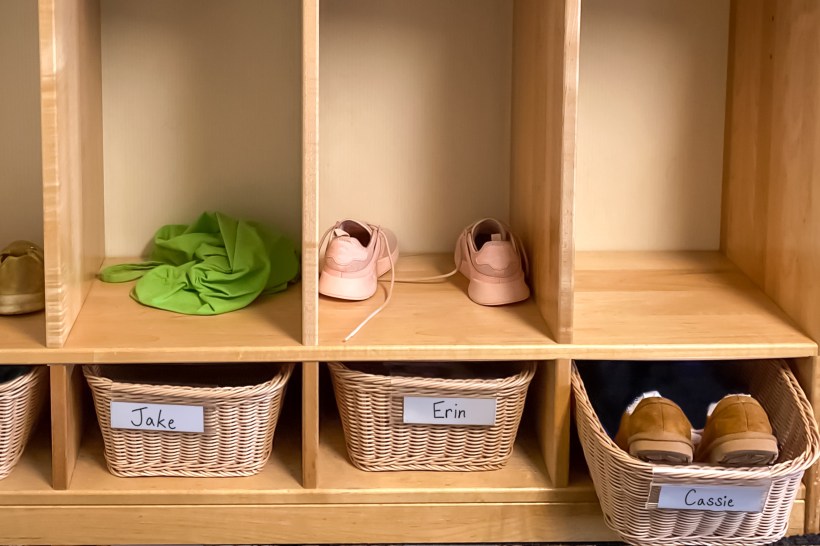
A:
[114,328]
[21,337]
[433,320]
[656,160]
[673,305]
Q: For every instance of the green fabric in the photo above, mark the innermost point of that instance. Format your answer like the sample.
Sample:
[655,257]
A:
[215,265]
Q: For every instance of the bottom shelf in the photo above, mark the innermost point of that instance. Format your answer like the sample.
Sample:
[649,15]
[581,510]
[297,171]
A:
[515,504]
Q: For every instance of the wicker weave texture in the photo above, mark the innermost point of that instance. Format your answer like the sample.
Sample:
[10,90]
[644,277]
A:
[21,401]
[239,427]
[371,409]
[623,482]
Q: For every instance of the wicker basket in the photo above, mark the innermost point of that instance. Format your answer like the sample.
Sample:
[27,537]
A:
[239,420]
[623,482]
[21,401]
[371,408]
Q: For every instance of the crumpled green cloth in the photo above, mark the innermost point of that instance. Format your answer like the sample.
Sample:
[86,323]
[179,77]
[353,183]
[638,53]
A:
[215,265]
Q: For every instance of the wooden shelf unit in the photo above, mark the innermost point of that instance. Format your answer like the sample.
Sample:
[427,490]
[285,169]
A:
[655,158]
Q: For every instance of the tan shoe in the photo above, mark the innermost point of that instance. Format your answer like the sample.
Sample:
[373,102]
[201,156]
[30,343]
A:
[737,433]
[22,286]
[656,430]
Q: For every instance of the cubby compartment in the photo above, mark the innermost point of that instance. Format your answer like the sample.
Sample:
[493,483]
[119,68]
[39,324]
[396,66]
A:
[25,458]
[684,189]
[423,131]
[188,107]
[377,398]
[278,477]
[21,179]
[645,501]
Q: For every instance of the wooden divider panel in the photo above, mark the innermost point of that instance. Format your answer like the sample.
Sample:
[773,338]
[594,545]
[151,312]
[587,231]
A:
[771,213]
[545,88]
[310,172]
[553,389]
[71,103]
[66,421]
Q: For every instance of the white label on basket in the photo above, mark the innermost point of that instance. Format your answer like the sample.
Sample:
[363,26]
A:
[714,498]
[167,417]
[428,410]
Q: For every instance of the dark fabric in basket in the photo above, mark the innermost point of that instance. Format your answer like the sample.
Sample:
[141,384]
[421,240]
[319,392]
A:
[9,373]
[193,375]
[440,370]
[693,385]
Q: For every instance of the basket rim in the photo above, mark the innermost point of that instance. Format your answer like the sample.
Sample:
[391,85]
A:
[97,381]
[341,370]
[696,470]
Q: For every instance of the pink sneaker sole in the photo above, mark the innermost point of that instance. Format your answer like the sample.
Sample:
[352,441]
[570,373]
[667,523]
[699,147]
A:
[496,293]
[348,286]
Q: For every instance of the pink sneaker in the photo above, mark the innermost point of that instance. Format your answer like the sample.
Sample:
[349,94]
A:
[357,255]
[490,256]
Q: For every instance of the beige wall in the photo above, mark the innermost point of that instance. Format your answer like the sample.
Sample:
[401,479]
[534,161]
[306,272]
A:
[21,179]
[415,115]
[650,130]
[201,111]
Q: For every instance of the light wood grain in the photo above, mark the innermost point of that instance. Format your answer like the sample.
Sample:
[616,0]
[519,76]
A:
[31,477]
[797,519]
[21,178]
[66,422]
[771,213]
[310,424]
[545,87]
[278,482]
[748,134]
[812,516]
[678,305]
[553,390]
[430,320]
[116,328]
[523,479]
[311,524]
[310,172]
[22,335]
[71,112]
[808,373]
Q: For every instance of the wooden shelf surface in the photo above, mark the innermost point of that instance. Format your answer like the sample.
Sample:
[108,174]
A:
[434,320]
[31,477]
[523,479]
[628,305]
[676,305]
[21,336]
[112,327]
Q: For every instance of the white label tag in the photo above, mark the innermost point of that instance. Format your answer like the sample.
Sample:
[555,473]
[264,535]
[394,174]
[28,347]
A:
[428,410]
[166,417]
[726,498]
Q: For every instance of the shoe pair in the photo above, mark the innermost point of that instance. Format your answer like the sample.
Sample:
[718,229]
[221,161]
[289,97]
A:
[737,433]
[22,284]
[358,253]
[487,253]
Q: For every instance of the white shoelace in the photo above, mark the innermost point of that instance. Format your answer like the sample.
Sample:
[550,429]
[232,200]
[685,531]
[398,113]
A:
[378,310]
[378,233]
[430,279]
